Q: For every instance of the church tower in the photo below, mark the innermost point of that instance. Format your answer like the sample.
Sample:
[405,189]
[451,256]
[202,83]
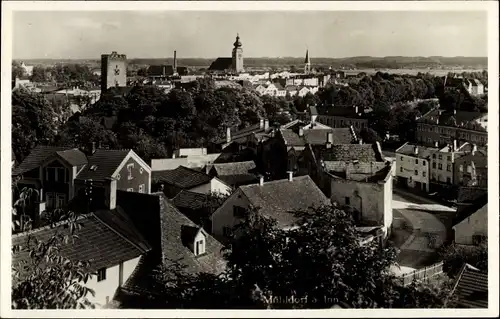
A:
[237,57]
[307,63]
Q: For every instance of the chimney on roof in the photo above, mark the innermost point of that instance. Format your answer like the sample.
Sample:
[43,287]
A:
[228,135]
[415,150]
[266,124]
[261,123]
[290,176]
[360,141]
[455,148]
[454,111]
[379,149]
[261,180]
[356,109]
[111,196]
[301,131]
[436,144]
[474,149]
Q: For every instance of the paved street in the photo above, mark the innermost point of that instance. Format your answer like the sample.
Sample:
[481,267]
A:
[424,217]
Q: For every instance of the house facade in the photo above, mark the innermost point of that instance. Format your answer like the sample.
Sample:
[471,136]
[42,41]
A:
[443,128]
[443,163]
[473,229]
[367,187]
[471,169]
[412,164]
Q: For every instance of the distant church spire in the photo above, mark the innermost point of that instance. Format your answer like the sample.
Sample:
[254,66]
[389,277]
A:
[307,63]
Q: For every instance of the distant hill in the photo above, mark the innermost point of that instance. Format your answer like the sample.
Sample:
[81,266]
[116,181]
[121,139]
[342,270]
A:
[357,62]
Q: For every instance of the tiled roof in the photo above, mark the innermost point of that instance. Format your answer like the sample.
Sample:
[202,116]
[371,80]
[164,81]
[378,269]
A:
[235,168]
[239,179]
[350,152]
[102,164]
[277,199]
[221,64]
[471,288]
[41,153]
[190,200]
[182,177]
[467,211]
[317,136]
[105,240]
[423,152]
[459,117]
[175,250]
[470,194]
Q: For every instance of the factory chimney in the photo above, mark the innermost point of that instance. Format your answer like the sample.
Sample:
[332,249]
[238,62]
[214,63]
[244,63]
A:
[175,61]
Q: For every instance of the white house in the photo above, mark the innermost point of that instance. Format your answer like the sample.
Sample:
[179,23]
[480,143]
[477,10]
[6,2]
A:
[412,164]
[474,87]
[28,69]
[275,199]
[472,229]
[303,91]
[113,249]
[443,161]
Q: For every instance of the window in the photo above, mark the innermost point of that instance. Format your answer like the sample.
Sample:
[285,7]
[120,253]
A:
[424,174]
[416,172]
[433,164]
[199,247]
[50,174]
[129,169]
[130,189]
[461,168]
[416,161]
[448,167]
[478,239]
[50,200]
[118,176]
[141,188]
[401,169]
[347,201]
[401,158]
[141,170]
[61,200]
[239,211]
[423,163]
[440,157]
[60,174]
[227,231]
[440,166]
[449,158]
[448,180]
[101,274]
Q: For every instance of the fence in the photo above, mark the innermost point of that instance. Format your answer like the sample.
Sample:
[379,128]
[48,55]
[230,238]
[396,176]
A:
[422,274]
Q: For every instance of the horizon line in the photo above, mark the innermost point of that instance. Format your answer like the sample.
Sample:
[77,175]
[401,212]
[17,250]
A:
[271,57]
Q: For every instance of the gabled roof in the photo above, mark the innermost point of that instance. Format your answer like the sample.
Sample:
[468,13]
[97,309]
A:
[105,239]
[471,288]
[278,198]
[317,136]
[350,152]
[234,168]
[467,211]
[221,64]
[102,164]
[182,177]
[40,153]
[189,200]
[175,250]
[460,117]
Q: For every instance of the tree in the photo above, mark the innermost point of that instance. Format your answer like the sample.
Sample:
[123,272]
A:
[45,279]
[17,70]
[320,263]
[369,135]
[454,256]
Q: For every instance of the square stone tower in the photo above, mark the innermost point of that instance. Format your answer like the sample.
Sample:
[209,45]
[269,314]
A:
[113,70]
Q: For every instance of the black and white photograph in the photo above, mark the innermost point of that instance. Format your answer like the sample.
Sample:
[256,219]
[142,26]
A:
[244,157]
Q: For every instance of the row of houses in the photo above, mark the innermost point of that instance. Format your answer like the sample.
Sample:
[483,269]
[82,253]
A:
[423,167]
[275,89]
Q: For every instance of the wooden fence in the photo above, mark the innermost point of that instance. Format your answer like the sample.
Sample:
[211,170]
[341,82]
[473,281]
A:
[422,274]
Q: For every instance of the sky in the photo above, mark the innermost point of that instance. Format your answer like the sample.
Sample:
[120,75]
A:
[210,34]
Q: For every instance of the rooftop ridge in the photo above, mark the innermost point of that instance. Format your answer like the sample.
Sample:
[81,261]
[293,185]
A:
[277,181]
[59,223]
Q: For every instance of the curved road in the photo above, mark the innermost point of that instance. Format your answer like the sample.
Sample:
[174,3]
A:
[427,219]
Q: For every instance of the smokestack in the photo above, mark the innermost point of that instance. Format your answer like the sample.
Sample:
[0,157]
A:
[228,135]
[290,176]
[261,180]
[175,61]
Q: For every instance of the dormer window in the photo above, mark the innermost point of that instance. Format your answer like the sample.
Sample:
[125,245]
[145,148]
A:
[129,169]
[199,247]
[195,238]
